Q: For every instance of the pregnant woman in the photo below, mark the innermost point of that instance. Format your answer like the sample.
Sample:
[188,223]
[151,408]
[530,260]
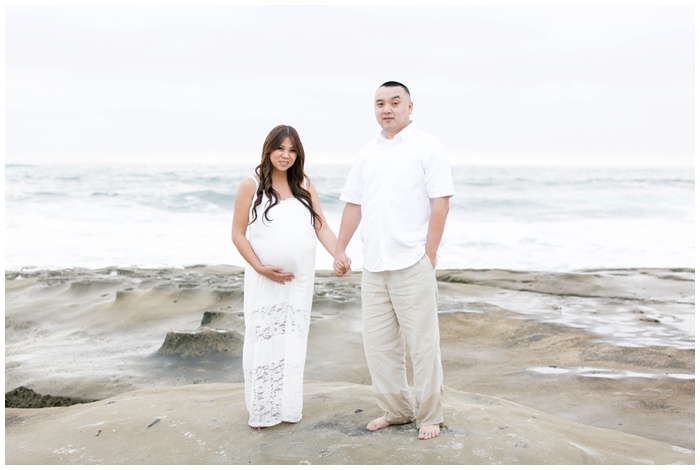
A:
[279,210]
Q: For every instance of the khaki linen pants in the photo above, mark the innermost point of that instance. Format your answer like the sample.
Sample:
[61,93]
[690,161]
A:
[399,309]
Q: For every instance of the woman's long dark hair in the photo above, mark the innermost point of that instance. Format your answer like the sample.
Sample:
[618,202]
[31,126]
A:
[295,175]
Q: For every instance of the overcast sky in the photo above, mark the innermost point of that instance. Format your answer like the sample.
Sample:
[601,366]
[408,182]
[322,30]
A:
[497,84]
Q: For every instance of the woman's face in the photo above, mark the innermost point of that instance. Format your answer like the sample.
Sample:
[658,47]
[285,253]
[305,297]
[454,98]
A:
[284,156]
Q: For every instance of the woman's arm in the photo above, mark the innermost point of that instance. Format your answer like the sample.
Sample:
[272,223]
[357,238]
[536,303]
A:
[241,211]
[323,231]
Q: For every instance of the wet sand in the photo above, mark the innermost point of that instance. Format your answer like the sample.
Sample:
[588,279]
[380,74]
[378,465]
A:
[607,355]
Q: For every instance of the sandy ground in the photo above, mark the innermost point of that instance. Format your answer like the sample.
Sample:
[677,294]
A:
[584,367]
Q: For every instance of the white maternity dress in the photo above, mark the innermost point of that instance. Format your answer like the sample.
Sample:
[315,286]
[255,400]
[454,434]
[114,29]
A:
[277,316]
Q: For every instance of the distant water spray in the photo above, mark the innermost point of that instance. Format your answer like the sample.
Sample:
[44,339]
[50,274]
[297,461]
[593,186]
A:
[522,218]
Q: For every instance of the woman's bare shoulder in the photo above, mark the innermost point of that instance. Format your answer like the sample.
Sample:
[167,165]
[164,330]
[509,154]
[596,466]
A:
[248,185]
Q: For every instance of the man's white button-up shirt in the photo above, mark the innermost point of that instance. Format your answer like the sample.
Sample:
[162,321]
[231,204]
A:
[393,181]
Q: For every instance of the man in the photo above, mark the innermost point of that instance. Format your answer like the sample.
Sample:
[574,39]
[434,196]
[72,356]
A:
[399,187]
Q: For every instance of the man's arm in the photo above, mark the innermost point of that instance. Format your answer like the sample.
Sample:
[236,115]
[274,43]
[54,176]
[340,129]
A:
[439,207]
[352,215]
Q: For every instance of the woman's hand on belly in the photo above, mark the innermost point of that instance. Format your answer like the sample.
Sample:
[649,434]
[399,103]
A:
[276,274]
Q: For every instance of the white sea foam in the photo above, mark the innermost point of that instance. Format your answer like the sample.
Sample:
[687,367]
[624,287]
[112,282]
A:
[522,218]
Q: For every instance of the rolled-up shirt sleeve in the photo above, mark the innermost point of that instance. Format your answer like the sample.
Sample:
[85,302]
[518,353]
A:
[438,173]
[352,191]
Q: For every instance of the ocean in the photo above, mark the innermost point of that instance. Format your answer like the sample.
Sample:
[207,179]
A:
[509,217]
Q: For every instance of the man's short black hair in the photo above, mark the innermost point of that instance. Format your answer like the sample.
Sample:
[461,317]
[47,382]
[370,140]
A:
[392,84]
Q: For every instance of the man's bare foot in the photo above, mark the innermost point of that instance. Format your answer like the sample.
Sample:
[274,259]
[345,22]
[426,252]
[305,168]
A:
[378,423]
[429,431]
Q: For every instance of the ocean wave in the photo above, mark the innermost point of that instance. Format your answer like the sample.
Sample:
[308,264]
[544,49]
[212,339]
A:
[506,217]
[188,201]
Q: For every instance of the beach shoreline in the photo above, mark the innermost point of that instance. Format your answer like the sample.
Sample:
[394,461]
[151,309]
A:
[612,349]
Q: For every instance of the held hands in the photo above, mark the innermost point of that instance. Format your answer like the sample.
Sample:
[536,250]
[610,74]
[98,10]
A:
[276,274]
[341,265]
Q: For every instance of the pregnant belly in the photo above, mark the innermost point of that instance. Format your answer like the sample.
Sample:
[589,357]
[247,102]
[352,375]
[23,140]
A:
[286,254]
[282,258]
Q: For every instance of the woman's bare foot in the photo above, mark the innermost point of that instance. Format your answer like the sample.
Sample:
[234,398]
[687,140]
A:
[378,423]
[429,431]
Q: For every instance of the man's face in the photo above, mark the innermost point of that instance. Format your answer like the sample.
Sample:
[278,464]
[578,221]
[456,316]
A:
[392,108]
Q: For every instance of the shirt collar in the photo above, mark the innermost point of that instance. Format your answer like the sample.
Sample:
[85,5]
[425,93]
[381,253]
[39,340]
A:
[402,136]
